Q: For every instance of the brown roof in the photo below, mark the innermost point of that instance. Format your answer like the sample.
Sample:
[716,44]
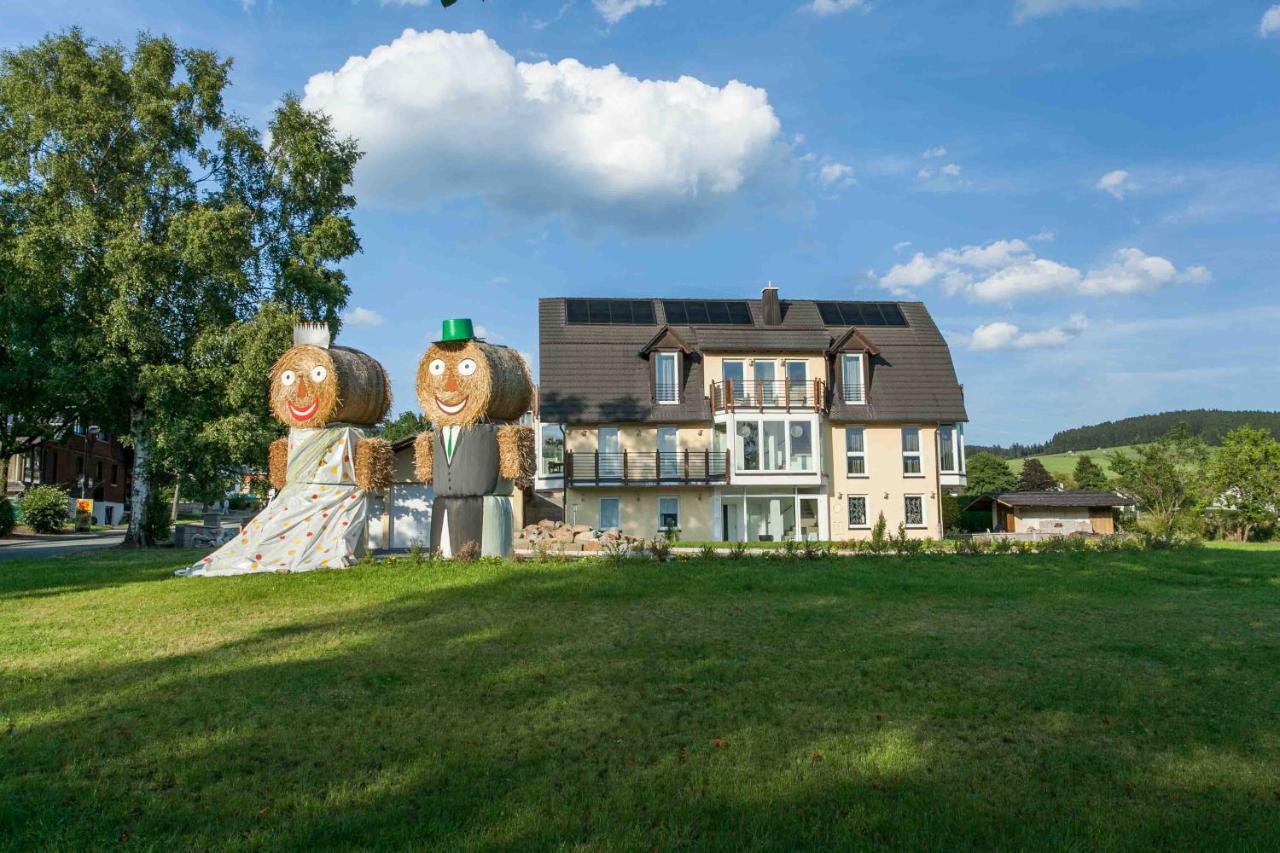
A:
[598,374]
[1050,499]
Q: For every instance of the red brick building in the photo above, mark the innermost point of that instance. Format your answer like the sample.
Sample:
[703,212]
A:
[85,462]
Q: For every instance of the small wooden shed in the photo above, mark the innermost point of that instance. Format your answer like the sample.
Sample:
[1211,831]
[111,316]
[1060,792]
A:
[1051,512]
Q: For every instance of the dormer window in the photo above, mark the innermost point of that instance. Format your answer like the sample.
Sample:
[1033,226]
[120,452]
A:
[666,369]
[852,387]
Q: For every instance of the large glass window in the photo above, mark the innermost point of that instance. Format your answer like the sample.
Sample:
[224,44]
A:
[911,451]
[913,510]
[801,446]
[947,448]
[666,387]
[809,531]
[552,450]
[798,383]
[765,380]
[857,511]
[775,445]
[668,453]
[609,514]
[732,374]
[855,450]
[609,450]
[668,513]
[851,387]
[747,445]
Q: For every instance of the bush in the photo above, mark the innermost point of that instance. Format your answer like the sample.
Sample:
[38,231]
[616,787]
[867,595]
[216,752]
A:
[7,519]
[44,509]
[879,542]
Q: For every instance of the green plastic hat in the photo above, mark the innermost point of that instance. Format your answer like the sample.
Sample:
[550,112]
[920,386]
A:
[456,330]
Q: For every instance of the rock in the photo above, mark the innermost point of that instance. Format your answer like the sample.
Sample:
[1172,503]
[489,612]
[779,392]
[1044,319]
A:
[591,546]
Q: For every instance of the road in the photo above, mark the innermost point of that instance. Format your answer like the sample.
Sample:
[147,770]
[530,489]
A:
[35,549]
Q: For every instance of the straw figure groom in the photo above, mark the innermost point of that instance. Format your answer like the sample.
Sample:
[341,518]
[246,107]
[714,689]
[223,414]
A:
[475,453]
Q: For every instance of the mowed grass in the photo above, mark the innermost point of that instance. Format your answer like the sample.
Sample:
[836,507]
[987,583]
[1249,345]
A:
[1069,702]
[1065,463]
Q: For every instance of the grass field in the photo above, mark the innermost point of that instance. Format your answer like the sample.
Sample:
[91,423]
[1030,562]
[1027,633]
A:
[1072,702]
[1065,463]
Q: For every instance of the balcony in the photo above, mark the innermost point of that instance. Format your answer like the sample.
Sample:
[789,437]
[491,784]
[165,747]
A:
[769,395]
[646,468]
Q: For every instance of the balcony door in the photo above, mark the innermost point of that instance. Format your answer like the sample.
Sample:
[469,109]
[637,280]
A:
[798,382]
[668,453]
[766,377]
[609,449]
[732,374]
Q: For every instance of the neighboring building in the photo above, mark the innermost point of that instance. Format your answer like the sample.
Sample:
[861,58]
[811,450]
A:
[86,463]
[748,420]
[1051,512]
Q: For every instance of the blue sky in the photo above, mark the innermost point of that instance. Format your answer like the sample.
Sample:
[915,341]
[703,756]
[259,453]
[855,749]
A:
[1086,193]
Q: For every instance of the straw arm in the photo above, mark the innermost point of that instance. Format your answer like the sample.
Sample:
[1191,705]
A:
[423,464]
[375,461]
[516,454]
[278,463]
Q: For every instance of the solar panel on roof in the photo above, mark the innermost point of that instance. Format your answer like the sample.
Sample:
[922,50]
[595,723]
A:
[861,314]
[706,312]
[609,312]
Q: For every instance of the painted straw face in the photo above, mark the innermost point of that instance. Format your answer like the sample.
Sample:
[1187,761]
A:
[304,387]
[454,383]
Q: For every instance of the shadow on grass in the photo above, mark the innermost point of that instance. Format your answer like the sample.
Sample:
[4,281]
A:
[927,704]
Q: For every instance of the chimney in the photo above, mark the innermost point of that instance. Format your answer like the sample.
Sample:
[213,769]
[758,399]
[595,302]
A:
[770,307]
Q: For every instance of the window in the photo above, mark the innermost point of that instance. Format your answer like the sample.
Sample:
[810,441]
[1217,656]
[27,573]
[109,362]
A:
[608,452]
[857,511]
[666,387]
[775,445]
[115,475]
[732,373]
[668,453]
[609,514]
[855,451]
[911,452]
[668,513]
[851,388]
[801,446]
[947,448]
[79,466]
[798,383]
[97,472]
[747,451]
[913,510]
[552,450]
[765,382]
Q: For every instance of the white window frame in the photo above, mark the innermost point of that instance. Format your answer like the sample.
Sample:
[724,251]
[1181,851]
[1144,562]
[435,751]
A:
[815,446]
[740,386]
[862,378]
[658,356]
[924,513]
[600,513]
[674,470]
[542,444]
[954,447]
[798,393]
[850,455]
[662,498]
[866,512]
[918,453]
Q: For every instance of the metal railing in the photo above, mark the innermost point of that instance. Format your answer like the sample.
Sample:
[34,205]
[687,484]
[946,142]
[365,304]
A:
[730,395]
[666,392]
[853,393]
[641,467]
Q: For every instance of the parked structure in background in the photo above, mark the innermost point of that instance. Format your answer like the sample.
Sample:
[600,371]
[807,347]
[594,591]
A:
[748,420]
[1052,513]
[86,462]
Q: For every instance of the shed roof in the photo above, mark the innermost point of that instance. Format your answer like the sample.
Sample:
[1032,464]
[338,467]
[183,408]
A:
[1050,499]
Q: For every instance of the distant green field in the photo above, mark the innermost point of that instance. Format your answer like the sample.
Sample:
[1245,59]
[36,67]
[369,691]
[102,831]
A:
[1064,463]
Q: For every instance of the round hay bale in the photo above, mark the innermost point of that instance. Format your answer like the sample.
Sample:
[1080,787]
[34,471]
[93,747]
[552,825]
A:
[500,390]
[355,390]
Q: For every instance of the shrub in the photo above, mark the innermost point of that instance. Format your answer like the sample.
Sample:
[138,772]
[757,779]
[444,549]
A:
[660,549]
[7,519]
[738,550]
[905,545]
[469,552]
[879,542]
[707,552]
[44,509]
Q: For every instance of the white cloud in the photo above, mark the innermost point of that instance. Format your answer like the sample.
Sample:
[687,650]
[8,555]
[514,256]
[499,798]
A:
[1270,23]
[1116,183]
[903,244]
[1005,270]
[442,114]
[1002,335]
[1134,271]
[615,10]
[937,151]
[836,174]
[363,317]
[833,7]
[1024,10]
[1045,235]
[951,170]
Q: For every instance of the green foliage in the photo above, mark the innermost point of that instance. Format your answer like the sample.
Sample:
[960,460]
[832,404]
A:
[879,541]
[988,474]
[44,509]
[1088,476]
[8,518]
[1165,478]
[1035,478]
[1243,480]
[404,425]
[143,229]
[950,512]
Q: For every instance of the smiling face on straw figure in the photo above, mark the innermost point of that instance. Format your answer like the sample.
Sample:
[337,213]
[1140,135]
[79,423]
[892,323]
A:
[304,387]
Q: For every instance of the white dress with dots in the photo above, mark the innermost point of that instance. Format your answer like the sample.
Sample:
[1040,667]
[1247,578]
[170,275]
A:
[317,521]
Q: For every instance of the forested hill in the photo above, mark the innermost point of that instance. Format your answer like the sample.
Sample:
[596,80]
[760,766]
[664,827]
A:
[1209,424]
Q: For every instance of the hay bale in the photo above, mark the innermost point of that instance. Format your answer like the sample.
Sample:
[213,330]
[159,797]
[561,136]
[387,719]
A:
[501,385]
[374,463]
[517,456]
[356,389]
[278,463]
[423,457]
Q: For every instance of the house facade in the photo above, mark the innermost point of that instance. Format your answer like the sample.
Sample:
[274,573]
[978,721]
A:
[748,420]
[85,463]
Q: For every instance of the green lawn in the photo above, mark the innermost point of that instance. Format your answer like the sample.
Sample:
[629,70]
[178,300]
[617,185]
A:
[1065,463]
[1071,702]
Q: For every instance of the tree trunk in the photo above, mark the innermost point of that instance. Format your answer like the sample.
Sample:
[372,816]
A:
[177,486]
[141,491]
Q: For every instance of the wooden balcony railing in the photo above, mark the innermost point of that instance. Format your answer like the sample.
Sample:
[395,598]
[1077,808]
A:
[646,467]
[777,394]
